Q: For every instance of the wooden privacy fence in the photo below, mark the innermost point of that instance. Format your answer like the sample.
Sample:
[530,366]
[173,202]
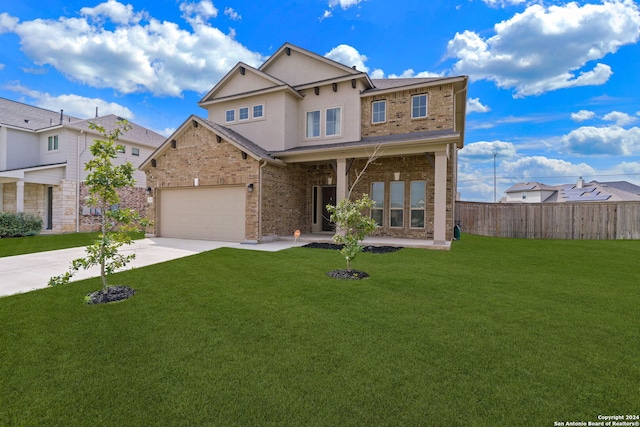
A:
[619,220]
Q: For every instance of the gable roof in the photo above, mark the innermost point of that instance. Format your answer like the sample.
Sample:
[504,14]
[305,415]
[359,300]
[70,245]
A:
[229,135]
[27,117]
[287,47]
[136,134]
[241,69]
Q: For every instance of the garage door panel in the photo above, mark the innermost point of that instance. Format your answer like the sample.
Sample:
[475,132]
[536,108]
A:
[216,213]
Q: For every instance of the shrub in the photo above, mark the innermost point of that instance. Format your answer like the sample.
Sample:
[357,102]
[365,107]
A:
[20,224]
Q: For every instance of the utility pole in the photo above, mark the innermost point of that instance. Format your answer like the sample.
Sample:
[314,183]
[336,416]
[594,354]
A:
[495,191]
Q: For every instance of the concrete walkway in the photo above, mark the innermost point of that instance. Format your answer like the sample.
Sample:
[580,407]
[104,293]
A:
[23,273]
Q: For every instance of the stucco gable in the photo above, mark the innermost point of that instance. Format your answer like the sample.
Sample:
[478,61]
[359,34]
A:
[241,80]
[298,66]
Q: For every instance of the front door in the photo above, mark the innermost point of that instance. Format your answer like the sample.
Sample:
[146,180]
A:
[328,198]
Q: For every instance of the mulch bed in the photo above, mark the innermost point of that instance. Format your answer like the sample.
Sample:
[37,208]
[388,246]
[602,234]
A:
[111,294]
[353,274]
[372,249]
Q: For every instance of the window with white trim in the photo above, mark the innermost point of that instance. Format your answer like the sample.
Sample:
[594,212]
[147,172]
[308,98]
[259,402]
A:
[230,116]
[135,151]
[379,112]
[52,143]
[258,111]
[418,203]
[377,195]
[243,113]
[396,197]
[333,121]
[313,124]
[419,106]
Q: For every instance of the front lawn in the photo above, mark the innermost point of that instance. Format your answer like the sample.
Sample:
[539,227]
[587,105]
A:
[11,246]
[495,332]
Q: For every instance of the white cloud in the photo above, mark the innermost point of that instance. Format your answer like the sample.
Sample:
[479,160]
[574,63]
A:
[348,56]
[410,73]
[475,106]
[483,151]
[73,105]
[611,141]
[540,167]
[620,119]
[143,55]
[232,14]
[1,66]
[115,11]
[344,4]
[377,74]
[547,48]
[197,12]
[582,115]
[325,15]
[167,131]
[7,23]
[503,3]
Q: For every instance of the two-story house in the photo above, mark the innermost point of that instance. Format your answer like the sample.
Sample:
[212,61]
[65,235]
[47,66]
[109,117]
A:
[42,157]
[282,141]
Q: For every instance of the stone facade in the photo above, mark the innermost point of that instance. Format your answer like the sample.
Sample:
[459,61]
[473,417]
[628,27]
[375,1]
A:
[440,111]
[199,155]
[133,198]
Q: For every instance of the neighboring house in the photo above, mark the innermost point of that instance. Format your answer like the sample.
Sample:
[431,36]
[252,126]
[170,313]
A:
[282,141]
[594,191]
[42,157]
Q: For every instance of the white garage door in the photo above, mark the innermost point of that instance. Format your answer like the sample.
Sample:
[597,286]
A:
[203,213]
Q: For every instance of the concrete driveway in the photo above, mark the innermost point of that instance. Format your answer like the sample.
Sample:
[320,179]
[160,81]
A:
[23,273]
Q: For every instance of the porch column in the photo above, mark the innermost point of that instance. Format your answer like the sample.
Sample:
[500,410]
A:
[1,197]
[19,196]
[341,179]
[440,199]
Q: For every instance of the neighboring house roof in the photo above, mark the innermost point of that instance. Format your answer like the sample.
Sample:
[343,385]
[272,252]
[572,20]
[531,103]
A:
[593,191]
[27,117]
[30,118]
[137,133]
[529,186]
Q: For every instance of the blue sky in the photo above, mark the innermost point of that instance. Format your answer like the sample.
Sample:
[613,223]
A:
[553,91]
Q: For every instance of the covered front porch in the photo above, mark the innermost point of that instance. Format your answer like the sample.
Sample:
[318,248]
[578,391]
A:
[372,241]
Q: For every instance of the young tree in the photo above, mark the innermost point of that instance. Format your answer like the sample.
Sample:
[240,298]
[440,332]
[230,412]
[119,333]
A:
[104,181]
[352,225]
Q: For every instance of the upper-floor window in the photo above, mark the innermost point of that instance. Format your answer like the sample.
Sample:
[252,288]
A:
[418,106]
[313,124]
[52,143]
[332,121]
[230,116]
[379,112]
[258,111]
[243,113]
[135,151]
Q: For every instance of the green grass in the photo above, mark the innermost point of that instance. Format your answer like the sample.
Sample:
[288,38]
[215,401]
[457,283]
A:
[495,332]
[27,245]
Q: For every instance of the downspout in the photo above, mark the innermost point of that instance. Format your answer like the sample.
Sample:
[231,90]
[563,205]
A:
[260,201]
[78,180]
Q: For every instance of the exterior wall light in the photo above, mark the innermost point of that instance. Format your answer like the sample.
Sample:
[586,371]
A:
[148,191]
[250,188]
